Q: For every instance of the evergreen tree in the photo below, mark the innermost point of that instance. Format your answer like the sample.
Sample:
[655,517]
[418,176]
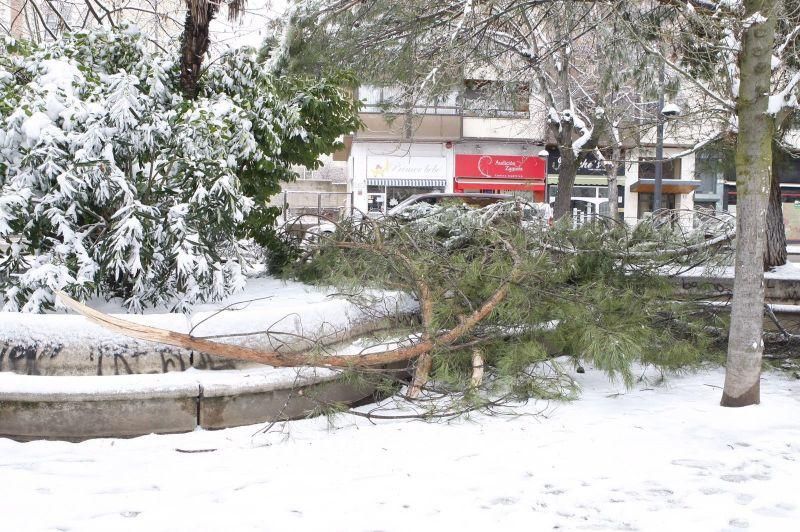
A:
[114,183]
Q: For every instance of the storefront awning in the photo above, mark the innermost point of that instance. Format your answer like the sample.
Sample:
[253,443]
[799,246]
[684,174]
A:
[420,183]
[583,180]
[668,186]
[464,183]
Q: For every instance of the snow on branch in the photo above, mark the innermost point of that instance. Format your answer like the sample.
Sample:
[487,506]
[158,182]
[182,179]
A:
[584,130]
[755,18]
[464,17]
[785,99]
[789,38]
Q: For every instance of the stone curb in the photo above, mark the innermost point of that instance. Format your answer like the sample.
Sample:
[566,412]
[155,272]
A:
[126,406]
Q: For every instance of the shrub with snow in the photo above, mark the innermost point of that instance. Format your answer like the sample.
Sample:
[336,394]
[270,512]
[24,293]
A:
[115,184]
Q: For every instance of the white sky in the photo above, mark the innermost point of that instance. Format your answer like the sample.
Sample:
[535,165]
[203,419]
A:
[252,29]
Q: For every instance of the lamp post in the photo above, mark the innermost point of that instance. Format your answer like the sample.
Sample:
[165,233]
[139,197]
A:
[659,142]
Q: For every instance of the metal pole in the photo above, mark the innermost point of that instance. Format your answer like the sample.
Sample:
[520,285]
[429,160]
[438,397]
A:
[659,142]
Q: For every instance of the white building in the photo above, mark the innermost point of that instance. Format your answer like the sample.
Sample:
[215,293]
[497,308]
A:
[458,143]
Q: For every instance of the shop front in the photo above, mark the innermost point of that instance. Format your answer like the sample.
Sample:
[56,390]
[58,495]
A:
[519,175]
[389,179]
[590,191]
[678,185]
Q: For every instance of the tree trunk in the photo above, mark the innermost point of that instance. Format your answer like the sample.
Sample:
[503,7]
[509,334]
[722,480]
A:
[753,169]
[194,43]
[612,167]
[478,368]
[567,169]
[775,252]
[562,131]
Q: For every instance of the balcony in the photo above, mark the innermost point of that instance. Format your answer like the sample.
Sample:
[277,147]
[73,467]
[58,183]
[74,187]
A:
[420,127]
[390,114]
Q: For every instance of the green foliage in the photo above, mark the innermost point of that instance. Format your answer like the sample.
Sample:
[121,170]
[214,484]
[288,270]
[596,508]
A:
[114,184]
[593,294]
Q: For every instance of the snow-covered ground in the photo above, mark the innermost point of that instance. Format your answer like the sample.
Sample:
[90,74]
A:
[789,271]
[654,458]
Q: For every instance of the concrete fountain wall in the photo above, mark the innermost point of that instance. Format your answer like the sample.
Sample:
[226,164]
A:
[62,379]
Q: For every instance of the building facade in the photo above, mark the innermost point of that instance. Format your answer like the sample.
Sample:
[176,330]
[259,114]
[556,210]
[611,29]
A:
[459,144]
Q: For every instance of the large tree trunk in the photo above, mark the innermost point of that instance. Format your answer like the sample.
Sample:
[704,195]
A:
[568,168]
[753,169]
[194,43]
[775,252]
[562,131]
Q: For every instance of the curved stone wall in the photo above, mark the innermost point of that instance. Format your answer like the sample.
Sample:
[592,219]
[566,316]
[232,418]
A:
[79,408]
[61,378]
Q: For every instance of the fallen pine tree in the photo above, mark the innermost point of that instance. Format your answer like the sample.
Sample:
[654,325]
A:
[498,298]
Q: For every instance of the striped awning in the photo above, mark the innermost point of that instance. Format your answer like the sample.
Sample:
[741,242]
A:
[420,183]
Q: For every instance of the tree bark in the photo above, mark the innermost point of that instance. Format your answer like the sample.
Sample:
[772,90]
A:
[775,252]
[753,171]
[194,43]
[563,131]
[425,361]
[567,170]
[478,368]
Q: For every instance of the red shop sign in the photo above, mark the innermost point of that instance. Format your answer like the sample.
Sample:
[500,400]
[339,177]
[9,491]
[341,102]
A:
[501,166]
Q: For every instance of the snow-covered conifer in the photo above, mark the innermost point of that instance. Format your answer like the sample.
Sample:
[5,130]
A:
[113,183]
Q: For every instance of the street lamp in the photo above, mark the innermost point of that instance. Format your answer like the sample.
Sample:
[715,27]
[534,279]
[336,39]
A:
[659,143]
[664,112]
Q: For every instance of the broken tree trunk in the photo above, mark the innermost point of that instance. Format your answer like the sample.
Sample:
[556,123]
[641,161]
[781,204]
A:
[466,323]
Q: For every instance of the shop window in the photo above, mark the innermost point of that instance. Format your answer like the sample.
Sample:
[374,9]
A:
[646,200]
[392,196]
[730,195]
[786,166]
[586,191]
[791,214]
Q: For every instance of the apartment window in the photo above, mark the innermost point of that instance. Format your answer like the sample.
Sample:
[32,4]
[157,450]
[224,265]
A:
[396,100]
[55,14]
[647,200]
[496,99]
[381,99]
